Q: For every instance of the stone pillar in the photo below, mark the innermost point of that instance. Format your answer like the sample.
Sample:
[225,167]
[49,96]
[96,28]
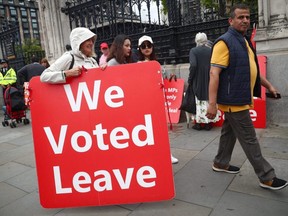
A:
[55,28]
[272,41]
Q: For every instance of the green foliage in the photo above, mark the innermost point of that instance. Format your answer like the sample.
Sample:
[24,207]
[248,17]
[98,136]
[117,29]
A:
[29,48]
[31,45]
[165,6]
[209,4]
[253,4]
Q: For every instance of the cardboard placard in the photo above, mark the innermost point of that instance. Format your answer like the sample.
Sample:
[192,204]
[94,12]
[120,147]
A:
[102,138]
[174,95]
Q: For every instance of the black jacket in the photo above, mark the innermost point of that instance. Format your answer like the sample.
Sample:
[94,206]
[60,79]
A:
[26,73]
[199,58]
[234,81]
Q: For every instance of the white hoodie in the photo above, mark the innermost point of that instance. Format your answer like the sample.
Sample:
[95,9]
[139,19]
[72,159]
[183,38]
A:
[54,74]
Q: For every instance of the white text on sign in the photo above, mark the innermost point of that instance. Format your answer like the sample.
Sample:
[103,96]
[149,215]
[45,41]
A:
[118,138]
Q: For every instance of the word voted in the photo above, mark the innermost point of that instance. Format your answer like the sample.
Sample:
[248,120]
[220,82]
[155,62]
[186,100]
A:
[119,137]
[82,182]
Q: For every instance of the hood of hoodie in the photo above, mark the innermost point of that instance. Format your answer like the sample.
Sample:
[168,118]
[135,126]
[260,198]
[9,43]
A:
[78,36]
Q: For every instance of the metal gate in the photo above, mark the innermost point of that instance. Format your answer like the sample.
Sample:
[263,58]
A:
[11,44]
[173,33]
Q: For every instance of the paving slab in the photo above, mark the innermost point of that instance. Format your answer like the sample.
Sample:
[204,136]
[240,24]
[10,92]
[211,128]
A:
[194,140]
[4,147]
[247,181]
[197,183]
[209,153]
[276,132]
[184,156]
[23,140]
[9,194]
[8,156]
[11,134]
[27,159]
[12,169]
[26,181]
[171,208]
[240,204]
[92,211]
[27,205]
[274,147]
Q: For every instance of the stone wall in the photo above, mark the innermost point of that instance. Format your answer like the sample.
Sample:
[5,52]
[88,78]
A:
[277,74]
[272,41]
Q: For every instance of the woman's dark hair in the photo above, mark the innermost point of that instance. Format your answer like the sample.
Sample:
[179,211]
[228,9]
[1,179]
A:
[141,57]
[44,60]
[116,50]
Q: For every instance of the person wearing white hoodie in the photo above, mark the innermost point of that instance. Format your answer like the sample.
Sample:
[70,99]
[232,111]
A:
[70,64]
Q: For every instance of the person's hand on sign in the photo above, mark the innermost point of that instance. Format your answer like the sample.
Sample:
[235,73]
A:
[74,72]
[103,66]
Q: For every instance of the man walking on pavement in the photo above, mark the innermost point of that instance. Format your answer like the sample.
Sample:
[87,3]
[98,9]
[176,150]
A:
[234,80]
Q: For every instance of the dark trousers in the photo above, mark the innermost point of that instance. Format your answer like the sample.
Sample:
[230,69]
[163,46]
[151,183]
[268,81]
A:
[239,125]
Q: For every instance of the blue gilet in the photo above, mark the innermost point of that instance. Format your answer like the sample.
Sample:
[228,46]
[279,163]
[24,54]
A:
[234,81]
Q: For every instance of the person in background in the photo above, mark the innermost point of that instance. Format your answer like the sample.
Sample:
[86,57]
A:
[104,48]
[82,42]
[234,80]
[147,53]
[26,73]
[45,62]
[199,58]
[120,51]
[8,75]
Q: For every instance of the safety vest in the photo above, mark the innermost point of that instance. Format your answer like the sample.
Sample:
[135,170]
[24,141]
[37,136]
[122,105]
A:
[9,78]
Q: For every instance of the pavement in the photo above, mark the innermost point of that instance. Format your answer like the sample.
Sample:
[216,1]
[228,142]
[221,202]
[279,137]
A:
[199,190]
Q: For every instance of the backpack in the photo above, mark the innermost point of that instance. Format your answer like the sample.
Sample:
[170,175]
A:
[72,62]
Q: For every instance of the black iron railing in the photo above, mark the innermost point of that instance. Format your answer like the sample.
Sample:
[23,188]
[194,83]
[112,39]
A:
[173,33]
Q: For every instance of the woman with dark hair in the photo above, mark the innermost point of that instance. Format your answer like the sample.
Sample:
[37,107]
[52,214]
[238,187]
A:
[45,62]
[146,49]
[147,53]
[120,51]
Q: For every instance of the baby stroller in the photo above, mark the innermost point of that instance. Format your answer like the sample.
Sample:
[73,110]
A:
[14,108]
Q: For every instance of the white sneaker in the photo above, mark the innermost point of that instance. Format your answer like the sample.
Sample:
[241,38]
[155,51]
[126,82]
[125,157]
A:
[174,160]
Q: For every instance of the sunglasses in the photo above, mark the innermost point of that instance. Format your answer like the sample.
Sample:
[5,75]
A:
[144,46]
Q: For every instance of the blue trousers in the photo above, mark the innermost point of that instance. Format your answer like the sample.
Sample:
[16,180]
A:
[239,125]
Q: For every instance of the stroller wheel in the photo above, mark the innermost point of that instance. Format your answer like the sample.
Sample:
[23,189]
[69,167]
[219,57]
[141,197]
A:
[3,123]
[13,125]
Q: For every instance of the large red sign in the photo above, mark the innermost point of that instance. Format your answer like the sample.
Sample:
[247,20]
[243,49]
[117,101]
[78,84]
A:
[102,138]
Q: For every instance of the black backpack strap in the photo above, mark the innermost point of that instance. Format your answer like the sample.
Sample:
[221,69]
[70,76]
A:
[72,62]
